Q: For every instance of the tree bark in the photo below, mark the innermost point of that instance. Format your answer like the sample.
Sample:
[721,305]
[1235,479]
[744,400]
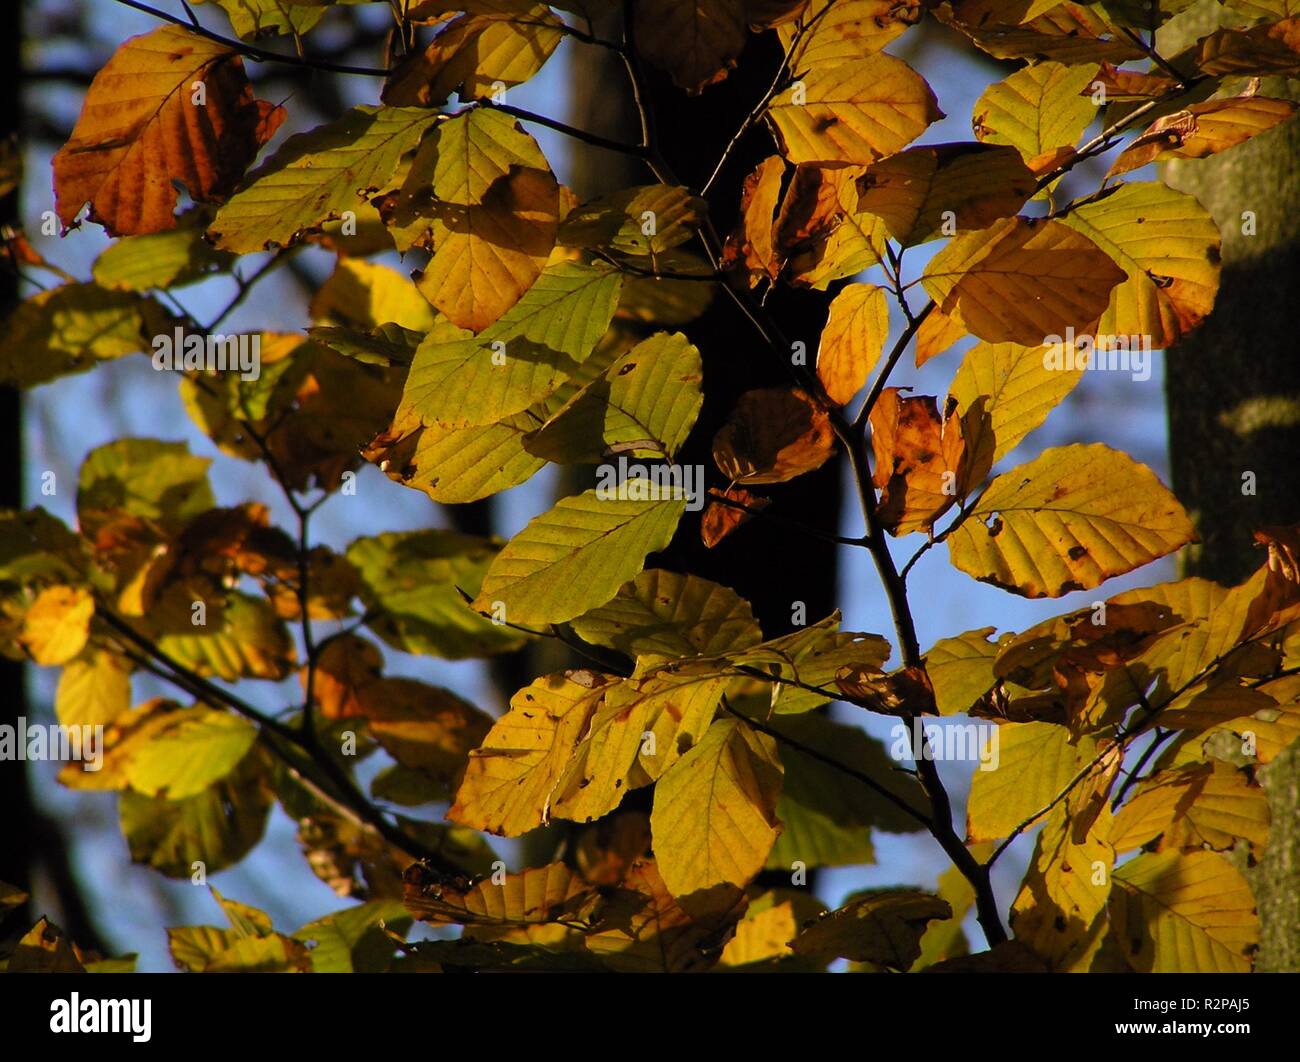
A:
[1233,390]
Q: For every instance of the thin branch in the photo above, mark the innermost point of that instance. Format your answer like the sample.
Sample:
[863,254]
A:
[1150,52]
[594,139]
[913,326]
[834,764]
[260,55]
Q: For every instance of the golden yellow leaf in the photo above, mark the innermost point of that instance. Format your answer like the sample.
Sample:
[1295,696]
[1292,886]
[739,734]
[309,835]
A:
[508,782]
[883,927]
[856,112]
[1004,391]
[1207,805]
[852,340]
[168,106]
[1068,520]
[1035,762]
[714,818]
[1022,280]
[1039,108]
[752,242]
[1203,129]
[57,625]
[471,54]
[1172,912]
[833,32]
[1168,245]
[928,192]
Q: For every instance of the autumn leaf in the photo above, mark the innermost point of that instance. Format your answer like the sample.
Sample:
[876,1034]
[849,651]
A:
[856,113]
[829,33]
[1022,279]
[919,458]
[1168,245]
[57,625]
[1068,520]
[852,340]
[714,817]
[883,927]
[696,41]
[726,512]
[510,776]
[927,192]
[469,55]
[1191,913]
[752,243]
[1037,110]
[773,435]
[1202,130]
[168,106]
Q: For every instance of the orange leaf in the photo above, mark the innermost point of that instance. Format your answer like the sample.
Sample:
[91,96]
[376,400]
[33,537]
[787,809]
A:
[918,459]
[168,106]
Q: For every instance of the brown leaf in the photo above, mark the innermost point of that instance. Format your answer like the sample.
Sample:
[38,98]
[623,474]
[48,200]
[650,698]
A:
[774,434]
[919,459]
[696,41]
[752,242]
[720,519]
[142,127]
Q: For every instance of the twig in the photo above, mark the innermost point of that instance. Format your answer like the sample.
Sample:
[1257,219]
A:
[253,52]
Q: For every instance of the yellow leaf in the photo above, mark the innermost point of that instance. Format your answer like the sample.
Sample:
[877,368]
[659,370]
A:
[57,625]
[856,112]
[470,54]
[833,32]
[714,818]
[1038,109]
[925,193]
[1004,391]
[486,256]
[852,340]
[1183,913]
[1034,763]
[534,896]
[1068,33]
[144,125]
[937,333]
[1208,805]
[508,781]
[1022,280]
[773,435]
[961,669]
[365,295]
[821,231]
[1168,245]
[1064,890]
[1068,520]
[95,688]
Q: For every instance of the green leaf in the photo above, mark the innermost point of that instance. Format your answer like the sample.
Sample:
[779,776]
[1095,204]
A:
[413,581]
[69,328]
[458,379]
[644,405]
[200,747]
[94,688]
[465,155]
[217,828]
[353,940]
[666,614]
[828,814]
[576,556]
[159,260]
[318,175]
[146,478]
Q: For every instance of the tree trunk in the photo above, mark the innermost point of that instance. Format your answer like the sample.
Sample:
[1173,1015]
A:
[1233,390]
